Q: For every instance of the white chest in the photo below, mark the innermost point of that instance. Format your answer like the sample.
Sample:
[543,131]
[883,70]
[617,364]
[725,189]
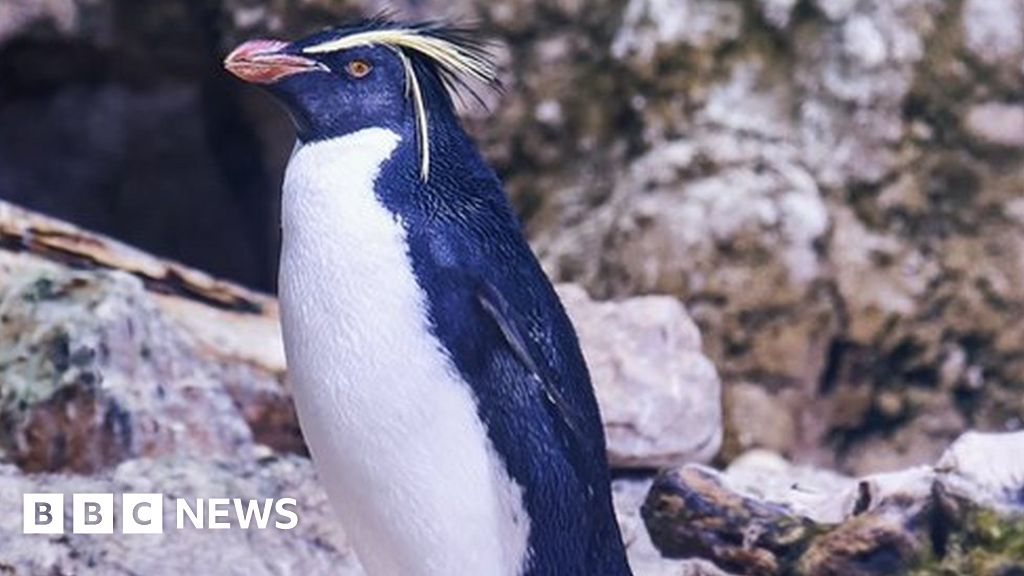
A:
[391,425]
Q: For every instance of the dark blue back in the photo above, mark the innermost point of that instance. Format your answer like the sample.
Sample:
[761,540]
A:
[463,235]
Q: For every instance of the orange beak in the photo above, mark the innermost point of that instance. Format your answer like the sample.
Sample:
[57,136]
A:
[259,62]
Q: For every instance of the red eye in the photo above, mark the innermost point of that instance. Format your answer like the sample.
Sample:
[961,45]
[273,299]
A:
[358,68]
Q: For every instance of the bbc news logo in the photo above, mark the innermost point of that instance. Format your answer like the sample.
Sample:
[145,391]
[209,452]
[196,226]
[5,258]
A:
[144,513]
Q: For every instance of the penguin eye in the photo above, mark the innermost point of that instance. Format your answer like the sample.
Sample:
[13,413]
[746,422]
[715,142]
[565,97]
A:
[358,68]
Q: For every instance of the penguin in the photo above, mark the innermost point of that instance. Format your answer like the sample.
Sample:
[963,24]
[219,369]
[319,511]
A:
[438,381]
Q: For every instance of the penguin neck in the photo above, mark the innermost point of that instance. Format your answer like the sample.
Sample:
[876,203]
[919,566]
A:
[452,155]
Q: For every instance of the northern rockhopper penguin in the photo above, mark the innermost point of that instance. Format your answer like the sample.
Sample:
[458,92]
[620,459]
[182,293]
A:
[438,381]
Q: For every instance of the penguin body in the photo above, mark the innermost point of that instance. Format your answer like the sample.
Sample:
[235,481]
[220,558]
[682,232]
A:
[437,378]
[391,424]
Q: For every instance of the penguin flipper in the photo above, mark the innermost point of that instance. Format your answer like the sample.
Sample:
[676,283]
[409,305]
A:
[498,309]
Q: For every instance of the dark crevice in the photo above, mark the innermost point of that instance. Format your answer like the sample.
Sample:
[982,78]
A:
[141,135]
[833,364]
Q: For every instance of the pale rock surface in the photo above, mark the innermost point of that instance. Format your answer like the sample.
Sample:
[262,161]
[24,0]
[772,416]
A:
[94,374]
[997,124]
[660,396]
[994,29]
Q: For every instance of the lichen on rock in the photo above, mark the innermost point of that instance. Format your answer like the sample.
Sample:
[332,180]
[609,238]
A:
[92,375]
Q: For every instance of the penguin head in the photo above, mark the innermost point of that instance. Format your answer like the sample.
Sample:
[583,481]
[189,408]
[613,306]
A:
[329,94]
[375,73]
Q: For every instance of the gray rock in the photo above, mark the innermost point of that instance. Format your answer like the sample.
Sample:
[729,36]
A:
[652,25]
[994,29]
[778,12]
[92,374]
[660,396]
[95,371]
[997,124]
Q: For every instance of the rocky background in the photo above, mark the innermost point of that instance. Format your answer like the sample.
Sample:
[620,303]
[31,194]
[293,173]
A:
[833,187]
[834,190]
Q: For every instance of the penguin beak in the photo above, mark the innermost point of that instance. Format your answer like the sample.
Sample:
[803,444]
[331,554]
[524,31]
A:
[263,62]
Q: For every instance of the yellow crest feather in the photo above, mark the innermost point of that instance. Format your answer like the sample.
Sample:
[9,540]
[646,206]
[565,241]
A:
[453,58]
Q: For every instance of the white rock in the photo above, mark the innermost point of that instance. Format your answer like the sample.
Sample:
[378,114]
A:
[660,396]
[809,492]
[778,12]
[994,463]
[994,29]
[864,42]
[997,123]
[986,468]
[650,24]
[836,9]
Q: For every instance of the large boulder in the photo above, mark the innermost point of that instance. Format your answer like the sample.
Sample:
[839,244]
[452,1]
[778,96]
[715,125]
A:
[660,396]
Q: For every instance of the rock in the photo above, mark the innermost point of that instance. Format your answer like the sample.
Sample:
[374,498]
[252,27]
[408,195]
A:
[757,419]
[93,375]
[810,492]
[644,559]
[660,396]
[122,372]
[651,25]
[778,12]
[829,203]
[17,15]
[986,466]
[107,365]
[997,124]
[965,515]
[673,241]
[994,29]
